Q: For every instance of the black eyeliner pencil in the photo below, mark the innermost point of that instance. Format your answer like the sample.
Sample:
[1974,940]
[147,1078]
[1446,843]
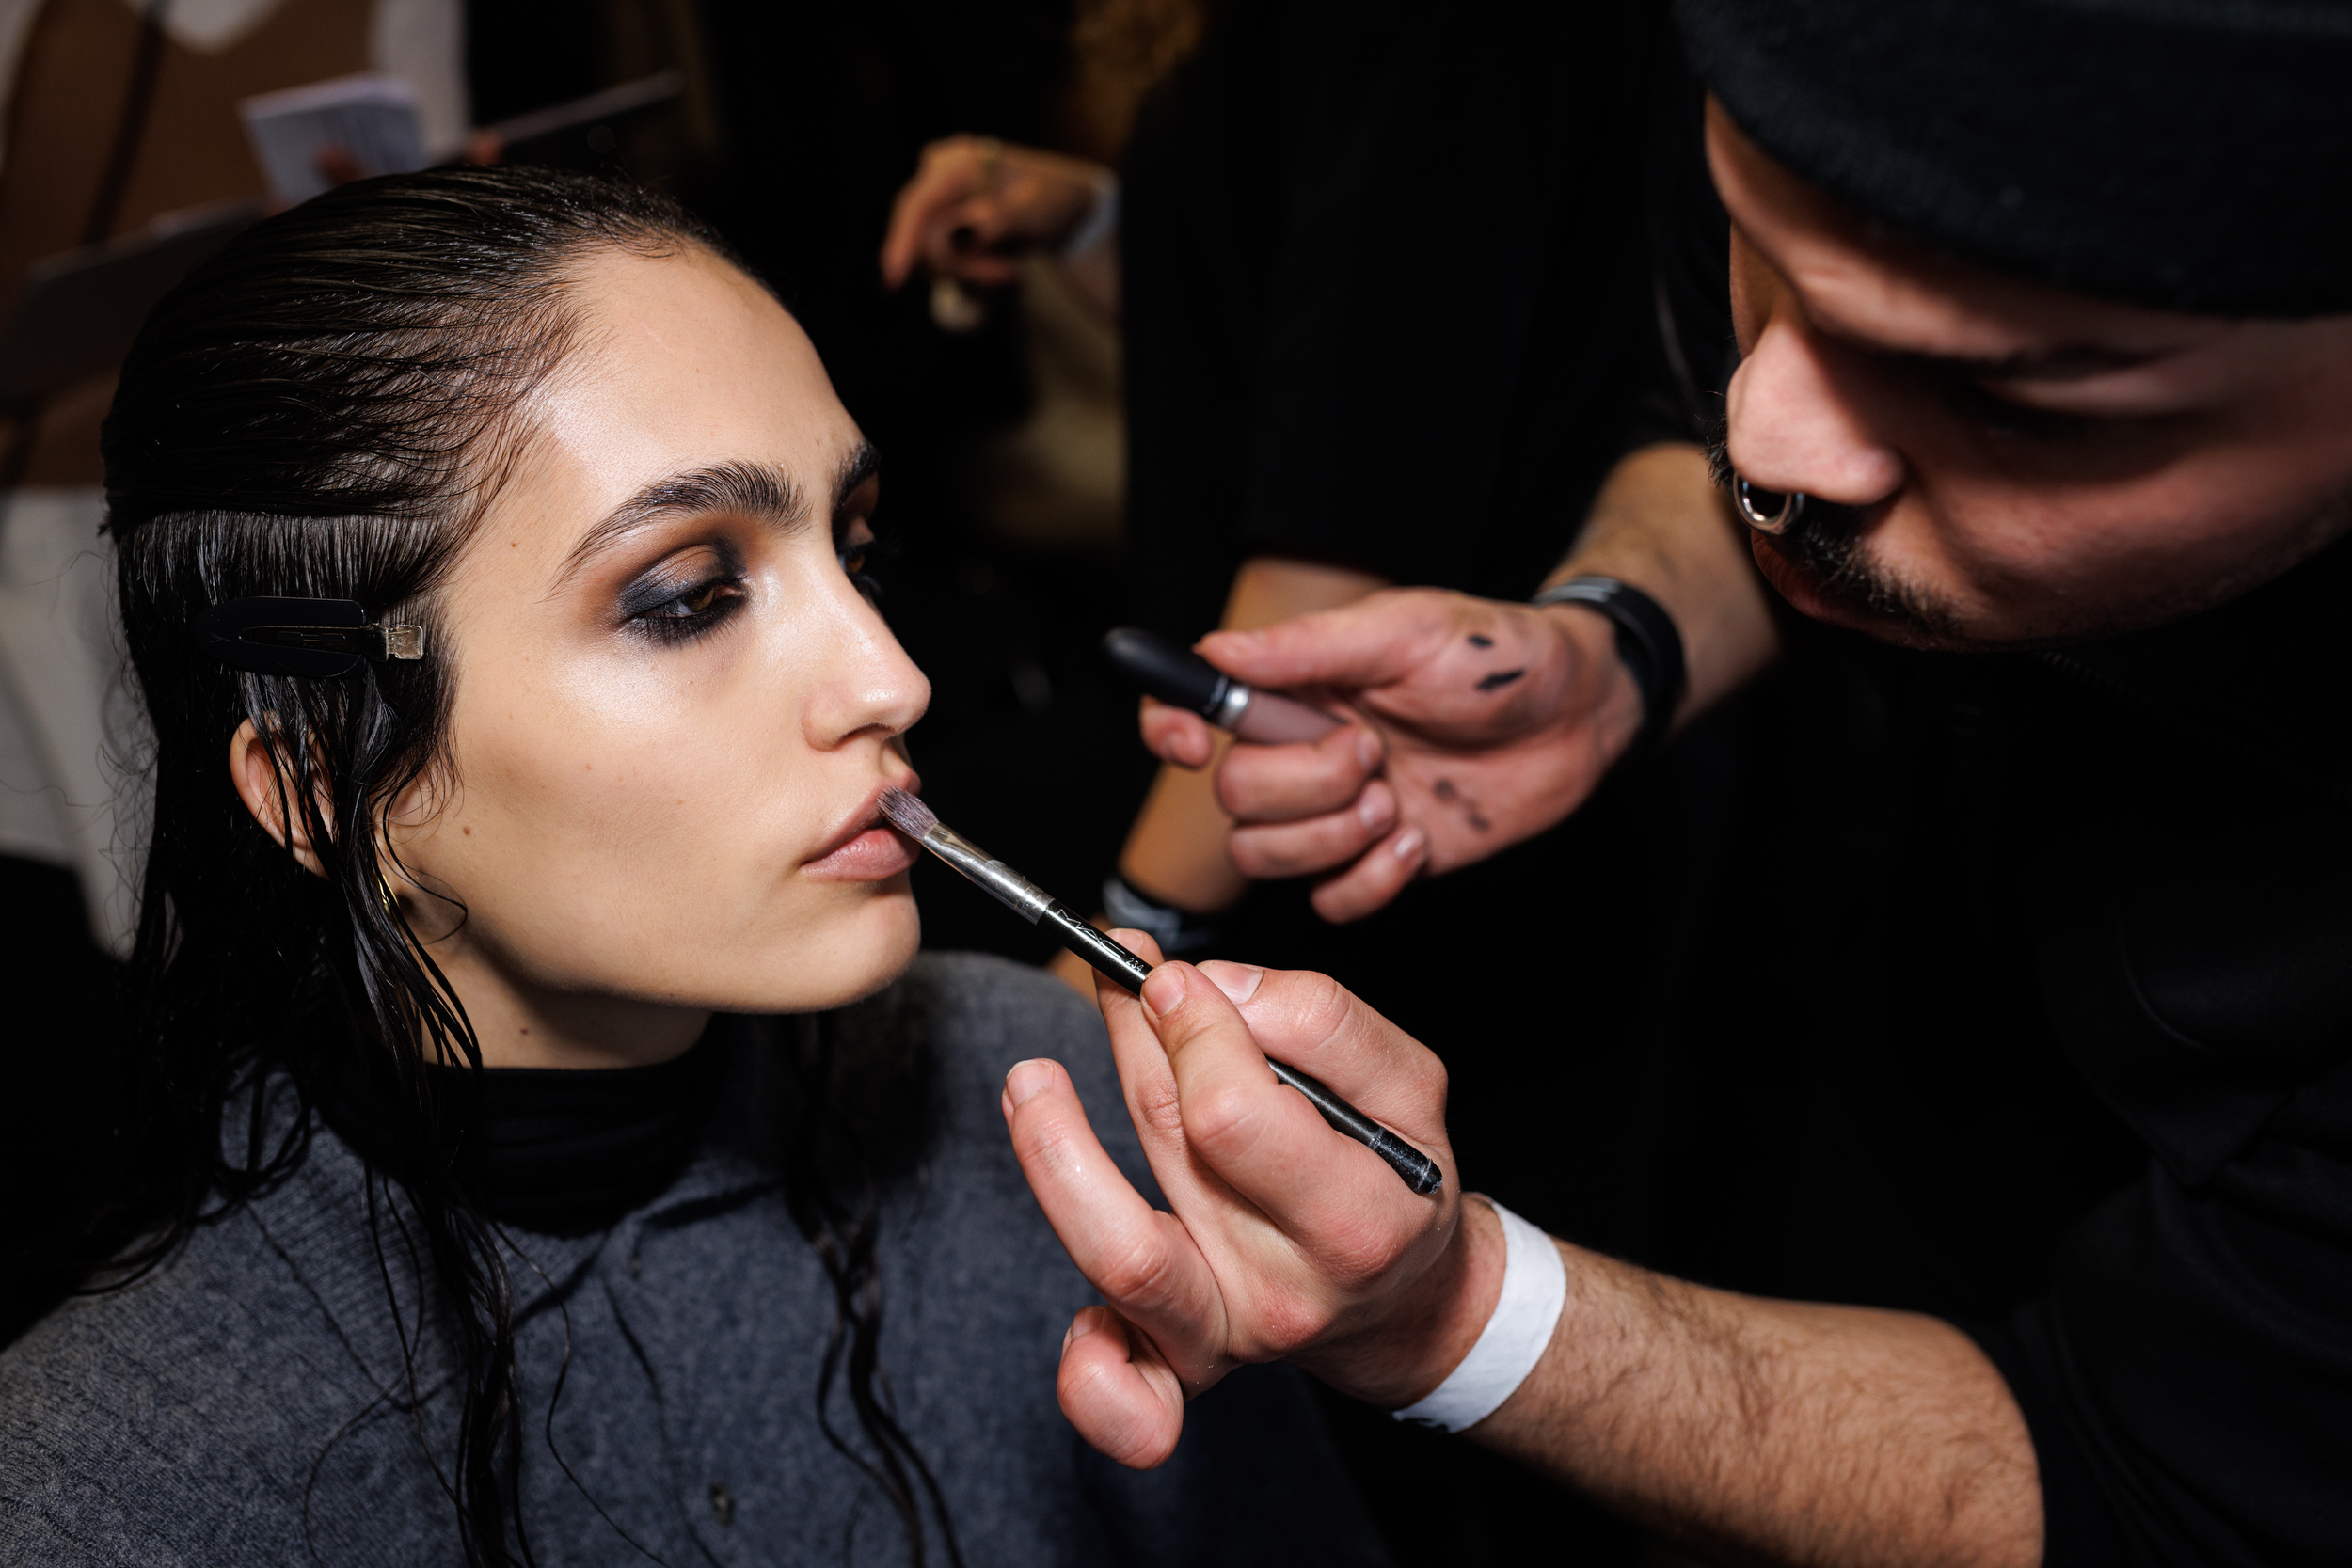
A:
[916,820]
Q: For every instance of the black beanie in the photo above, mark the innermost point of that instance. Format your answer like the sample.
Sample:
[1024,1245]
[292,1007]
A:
[2188,155]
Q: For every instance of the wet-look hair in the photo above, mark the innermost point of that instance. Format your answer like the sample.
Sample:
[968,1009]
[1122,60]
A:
[323,410]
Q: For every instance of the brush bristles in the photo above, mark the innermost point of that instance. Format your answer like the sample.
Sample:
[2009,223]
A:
[908,815]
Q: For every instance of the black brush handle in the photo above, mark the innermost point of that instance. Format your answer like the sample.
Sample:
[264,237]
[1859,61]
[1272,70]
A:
[1418,1170]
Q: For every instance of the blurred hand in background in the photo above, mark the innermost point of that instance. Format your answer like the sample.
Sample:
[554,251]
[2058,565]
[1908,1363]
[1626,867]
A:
[977,205]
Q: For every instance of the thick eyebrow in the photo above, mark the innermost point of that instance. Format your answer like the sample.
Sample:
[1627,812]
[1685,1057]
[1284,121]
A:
[760,491]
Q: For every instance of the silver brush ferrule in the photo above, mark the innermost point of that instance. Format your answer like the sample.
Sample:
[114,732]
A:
[1016,892]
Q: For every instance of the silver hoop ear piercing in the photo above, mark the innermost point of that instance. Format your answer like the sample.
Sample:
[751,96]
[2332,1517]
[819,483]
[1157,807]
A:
[1766,511]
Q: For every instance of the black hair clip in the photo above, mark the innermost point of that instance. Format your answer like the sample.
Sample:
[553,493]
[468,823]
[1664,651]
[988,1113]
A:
[327,638]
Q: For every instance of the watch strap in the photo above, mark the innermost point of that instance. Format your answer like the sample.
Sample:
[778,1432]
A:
[1647,643]
[1180,933]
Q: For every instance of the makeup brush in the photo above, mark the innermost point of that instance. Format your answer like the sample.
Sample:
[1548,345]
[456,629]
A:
[1033,904]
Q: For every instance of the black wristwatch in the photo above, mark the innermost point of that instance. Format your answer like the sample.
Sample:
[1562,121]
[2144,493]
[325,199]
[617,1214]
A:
[1646,642]
[1180,933]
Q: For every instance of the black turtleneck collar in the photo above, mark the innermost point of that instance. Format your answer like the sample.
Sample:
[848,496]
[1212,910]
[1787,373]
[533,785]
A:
[560,1151]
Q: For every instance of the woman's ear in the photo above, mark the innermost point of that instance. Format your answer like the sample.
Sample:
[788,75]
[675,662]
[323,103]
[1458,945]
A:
[253,768]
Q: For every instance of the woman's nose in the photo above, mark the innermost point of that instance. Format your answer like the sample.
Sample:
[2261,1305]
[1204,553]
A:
[875,689]
[1796,421]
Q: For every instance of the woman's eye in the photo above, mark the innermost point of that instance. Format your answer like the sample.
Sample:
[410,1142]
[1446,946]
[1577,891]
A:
[695,610]
[696,602]
[859,556]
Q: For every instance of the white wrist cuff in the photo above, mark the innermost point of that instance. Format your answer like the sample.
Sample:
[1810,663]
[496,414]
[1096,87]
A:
[1534,1289]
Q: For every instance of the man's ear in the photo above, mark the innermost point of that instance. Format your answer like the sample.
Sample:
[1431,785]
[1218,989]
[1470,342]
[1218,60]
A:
[253,768]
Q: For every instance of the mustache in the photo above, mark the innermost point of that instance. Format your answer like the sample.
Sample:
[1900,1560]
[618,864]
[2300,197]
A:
[1824,541]
[1719,468]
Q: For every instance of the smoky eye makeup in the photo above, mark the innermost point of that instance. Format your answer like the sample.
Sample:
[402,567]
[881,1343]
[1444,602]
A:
[855,542]
[685,594]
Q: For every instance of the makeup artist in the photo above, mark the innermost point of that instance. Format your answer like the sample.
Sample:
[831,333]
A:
[2047,379]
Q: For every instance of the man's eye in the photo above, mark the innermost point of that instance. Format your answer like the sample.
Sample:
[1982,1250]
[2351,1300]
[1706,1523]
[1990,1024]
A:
[1998,415]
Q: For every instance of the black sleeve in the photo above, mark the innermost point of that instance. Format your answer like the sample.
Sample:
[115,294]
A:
[2189,896]
[2188,1382]
[2077,1529]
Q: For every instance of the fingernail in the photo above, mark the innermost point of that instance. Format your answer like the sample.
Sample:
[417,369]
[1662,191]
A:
[1408,844]
[1027,1080]
[1237,981]
[1375,808]
[1367,749]
[1164,993]
[1080,1326]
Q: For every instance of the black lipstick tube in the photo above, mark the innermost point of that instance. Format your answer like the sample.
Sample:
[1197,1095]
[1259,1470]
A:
[1182,678]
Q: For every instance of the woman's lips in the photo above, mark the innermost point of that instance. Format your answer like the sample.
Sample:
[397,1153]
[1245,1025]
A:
[871,856]
[869,850]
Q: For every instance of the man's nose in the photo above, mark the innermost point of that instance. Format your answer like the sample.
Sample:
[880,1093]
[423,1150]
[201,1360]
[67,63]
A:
[1796,421]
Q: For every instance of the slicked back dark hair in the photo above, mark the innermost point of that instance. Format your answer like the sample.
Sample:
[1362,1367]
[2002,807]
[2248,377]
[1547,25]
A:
[324,409]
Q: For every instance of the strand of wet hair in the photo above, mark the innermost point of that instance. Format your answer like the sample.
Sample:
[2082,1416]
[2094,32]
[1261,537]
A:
[844,1240]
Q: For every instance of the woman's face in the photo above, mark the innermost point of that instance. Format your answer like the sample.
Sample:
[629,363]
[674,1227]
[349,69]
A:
[674,709]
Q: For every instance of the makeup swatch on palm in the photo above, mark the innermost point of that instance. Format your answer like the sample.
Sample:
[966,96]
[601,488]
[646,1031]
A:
[1033,904]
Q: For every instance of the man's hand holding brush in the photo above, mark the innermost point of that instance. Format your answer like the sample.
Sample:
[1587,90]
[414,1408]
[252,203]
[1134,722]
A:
[1283,1237]
[1769,1430]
